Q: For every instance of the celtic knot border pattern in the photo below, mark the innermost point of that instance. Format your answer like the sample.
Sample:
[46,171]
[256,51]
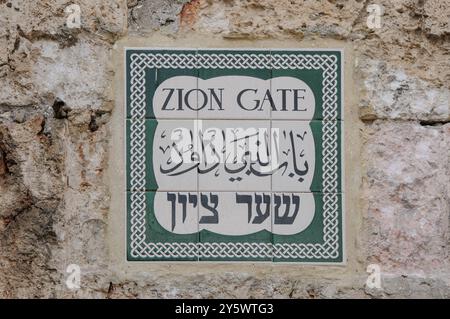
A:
[327,63]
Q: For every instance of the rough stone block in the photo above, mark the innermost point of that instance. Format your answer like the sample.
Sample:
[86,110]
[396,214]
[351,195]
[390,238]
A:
[406,192]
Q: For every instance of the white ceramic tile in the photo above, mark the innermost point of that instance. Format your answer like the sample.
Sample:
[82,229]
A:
[292,212]
[238,213]
[234,97]
[176,98]
[232,159]
[174,163]
[295,151]
[177,212]
[293,99]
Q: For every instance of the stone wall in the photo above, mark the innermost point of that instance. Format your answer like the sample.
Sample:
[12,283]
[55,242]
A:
[56,104]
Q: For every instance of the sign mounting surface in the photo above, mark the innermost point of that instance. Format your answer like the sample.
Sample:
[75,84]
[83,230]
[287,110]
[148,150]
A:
[234,155]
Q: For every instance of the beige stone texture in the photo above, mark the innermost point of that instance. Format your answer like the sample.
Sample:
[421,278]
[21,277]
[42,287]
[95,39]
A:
[60,117]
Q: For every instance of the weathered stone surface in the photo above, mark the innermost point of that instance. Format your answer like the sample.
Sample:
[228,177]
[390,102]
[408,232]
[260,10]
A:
[244,285]
[78,75]
[249,18]
[33,180]
[406,189]
[405,39]
[150,15]
[437,17]
[47,19]
[54,200]
[40,57]
[389,93]
[57,205]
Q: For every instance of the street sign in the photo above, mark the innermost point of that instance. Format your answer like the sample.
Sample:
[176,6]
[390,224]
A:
[234,155]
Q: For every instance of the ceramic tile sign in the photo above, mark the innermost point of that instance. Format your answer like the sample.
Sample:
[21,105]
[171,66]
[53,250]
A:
[234,155]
